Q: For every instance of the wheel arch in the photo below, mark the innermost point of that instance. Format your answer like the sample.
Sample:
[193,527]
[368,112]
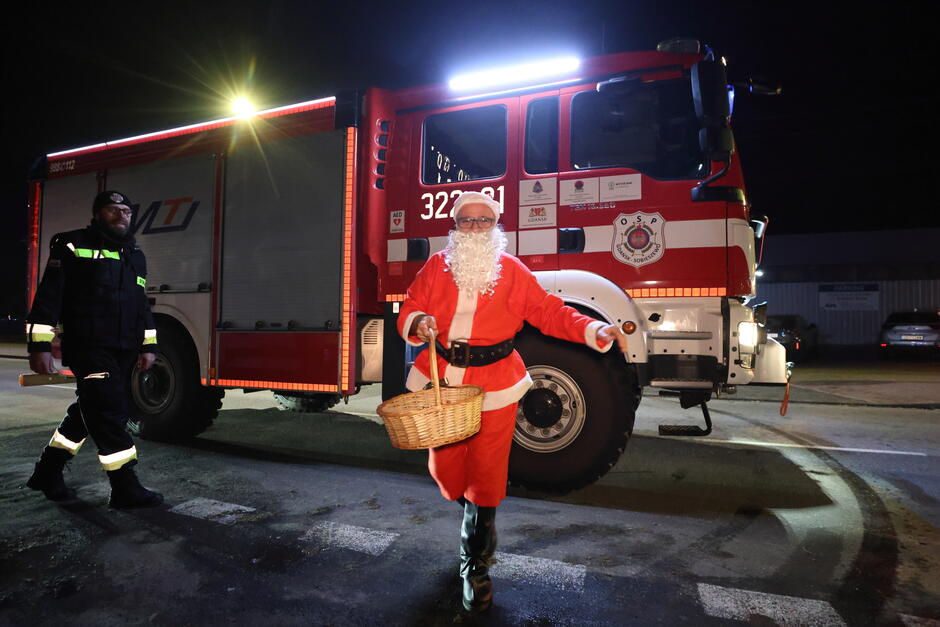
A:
[586,290]
[176,318]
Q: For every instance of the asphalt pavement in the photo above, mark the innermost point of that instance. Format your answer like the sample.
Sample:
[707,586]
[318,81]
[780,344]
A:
[840,375]
[826,517]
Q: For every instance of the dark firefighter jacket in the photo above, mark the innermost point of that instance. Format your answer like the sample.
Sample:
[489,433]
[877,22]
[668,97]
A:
[95,287]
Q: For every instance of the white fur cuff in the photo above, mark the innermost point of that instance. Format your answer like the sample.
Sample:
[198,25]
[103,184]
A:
[590,336]
[408,322]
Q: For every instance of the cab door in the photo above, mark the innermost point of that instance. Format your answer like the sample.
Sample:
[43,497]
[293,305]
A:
[539,239]
[451,148]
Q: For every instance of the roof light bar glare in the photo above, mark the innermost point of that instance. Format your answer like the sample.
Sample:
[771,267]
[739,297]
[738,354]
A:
[192,128]
[526,72]
[243,108]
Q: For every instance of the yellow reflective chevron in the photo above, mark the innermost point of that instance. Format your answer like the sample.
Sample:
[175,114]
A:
[93,253]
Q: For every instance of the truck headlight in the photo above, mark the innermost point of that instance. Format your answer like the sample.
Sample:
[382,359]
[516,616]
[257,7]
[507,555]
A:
[748,337]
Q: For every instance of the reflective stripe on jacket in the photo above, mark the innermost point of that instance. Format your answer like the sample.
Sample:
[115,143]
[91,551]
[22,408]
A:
[95,288]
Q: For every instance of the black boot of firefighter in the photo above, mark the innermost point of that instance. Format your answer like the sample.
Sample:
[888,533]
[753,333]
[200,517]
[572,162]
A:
[477,545]
[126,491]
[47,475]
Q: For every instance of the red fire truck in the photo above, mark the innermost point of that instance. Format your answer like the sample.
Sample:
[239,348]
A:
[281,244]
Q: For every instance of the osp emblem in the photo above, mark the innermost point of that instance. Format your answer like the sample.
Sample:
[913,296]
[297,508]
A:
[638,238]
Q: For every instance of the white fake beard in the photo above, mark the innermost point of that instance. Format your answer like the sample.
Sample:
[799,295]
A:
[473,259]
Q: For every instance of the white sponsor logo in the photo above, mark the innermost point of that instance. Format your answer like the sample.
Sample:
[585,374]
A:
[579,191]
[538,191]
[623,187]
[535,216]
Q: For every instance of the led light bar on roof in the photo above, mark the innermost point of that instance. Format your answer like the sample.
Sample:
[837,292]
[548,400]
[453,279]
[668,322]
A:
[194,128]
[516,74]
[518,88]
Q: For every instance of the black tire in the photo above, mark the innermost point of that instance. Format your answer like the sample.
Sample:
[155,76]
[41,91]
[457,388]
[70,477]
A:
[574,423]
[171,402]
[306,403]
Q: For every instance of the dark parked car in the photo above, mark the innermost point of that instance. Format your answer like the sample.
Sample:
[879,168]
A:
[911,330]
[799,338]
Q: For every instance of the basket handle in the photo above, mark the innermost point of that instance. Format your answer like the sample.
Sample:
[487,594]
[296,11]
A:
[434,378]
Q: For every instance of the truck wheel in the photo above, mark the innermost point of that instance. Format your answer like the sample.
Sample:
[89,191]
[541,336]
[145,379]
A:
[172,404]
[573,424]
[306,403]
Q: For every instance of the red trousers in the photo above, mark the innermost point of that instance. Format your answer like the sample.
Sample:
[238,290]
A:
[477,468]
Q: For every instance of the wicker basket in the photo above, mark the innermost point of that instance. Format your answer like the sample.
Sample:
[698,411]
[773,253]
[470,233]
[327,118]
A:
[430,418]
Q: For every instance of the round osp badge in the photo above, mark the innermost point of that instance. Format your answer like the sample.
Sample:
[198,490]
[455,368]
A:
[638,238]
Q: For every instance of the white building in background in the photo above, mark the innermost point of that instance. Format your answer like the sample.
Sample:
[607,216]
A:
[848,283]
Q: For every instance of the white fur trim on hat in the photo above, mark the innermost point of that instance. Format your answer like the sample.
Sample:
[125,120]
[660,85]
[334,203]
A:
[476,198]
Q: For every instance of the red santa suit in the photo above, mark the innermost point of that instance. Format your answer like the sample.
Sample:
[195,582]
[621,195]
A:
[477,468]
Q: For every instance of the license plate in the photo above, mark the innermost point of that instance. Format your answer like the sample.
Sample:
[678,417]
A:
[772,334]
[912,337]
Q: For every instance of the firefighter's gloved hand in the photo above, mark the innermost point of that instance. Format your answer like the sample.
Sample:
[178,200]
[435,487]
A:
[612,333]
[42,363]
[145,360]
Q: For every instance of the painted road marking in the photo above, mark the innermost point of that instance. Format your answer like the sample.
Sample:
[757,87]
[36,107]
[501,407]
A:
[216,511]
[727,603]
[815,447]
[743,605]
[361,539]
[539,570]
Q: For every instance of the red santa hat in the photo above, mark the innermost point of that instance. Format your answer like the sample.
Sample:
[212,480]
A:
[476,198]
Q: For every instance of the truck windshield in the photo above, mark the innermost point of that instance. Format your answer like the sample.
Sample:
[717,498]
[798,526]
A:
[647,126]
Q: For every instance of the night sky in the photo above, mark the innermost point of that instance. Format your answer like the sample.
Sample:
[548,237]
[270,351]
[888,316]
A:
[848,146]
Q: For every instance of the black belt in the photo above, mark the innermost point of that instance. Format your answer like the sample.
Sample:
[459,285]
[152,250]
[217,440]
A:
[462,355]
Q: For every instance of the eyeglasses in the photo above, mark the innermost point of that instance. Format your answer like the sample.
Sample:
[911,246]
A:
[467,223]
[113,209]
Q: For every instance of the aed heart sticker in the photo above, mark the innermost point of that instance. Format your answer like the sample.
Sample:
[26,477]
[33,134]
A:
[397,222]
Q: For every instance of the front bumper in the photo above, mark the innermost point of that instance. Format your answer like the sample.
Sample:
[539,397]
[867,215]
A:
[771,367]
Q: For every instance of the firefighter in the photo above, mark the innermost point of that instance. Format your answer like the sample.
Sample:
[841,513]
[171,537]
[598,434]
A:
[94,285]
[472,298]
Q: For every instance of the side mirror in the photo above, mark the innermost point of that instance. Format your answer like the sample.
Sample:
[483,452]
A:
[713,109]
[716,142]
[759,224]
[710,93]
[761,87]
[760,313]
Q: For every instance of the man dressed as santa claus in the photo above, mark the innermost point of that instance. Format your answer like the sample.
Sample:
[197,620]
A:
[472,298]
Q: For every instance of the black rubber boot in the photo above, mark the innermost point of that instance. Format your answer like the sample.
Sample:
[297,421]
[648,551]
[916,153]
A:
[47,475]
[477,546]
[126,491]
